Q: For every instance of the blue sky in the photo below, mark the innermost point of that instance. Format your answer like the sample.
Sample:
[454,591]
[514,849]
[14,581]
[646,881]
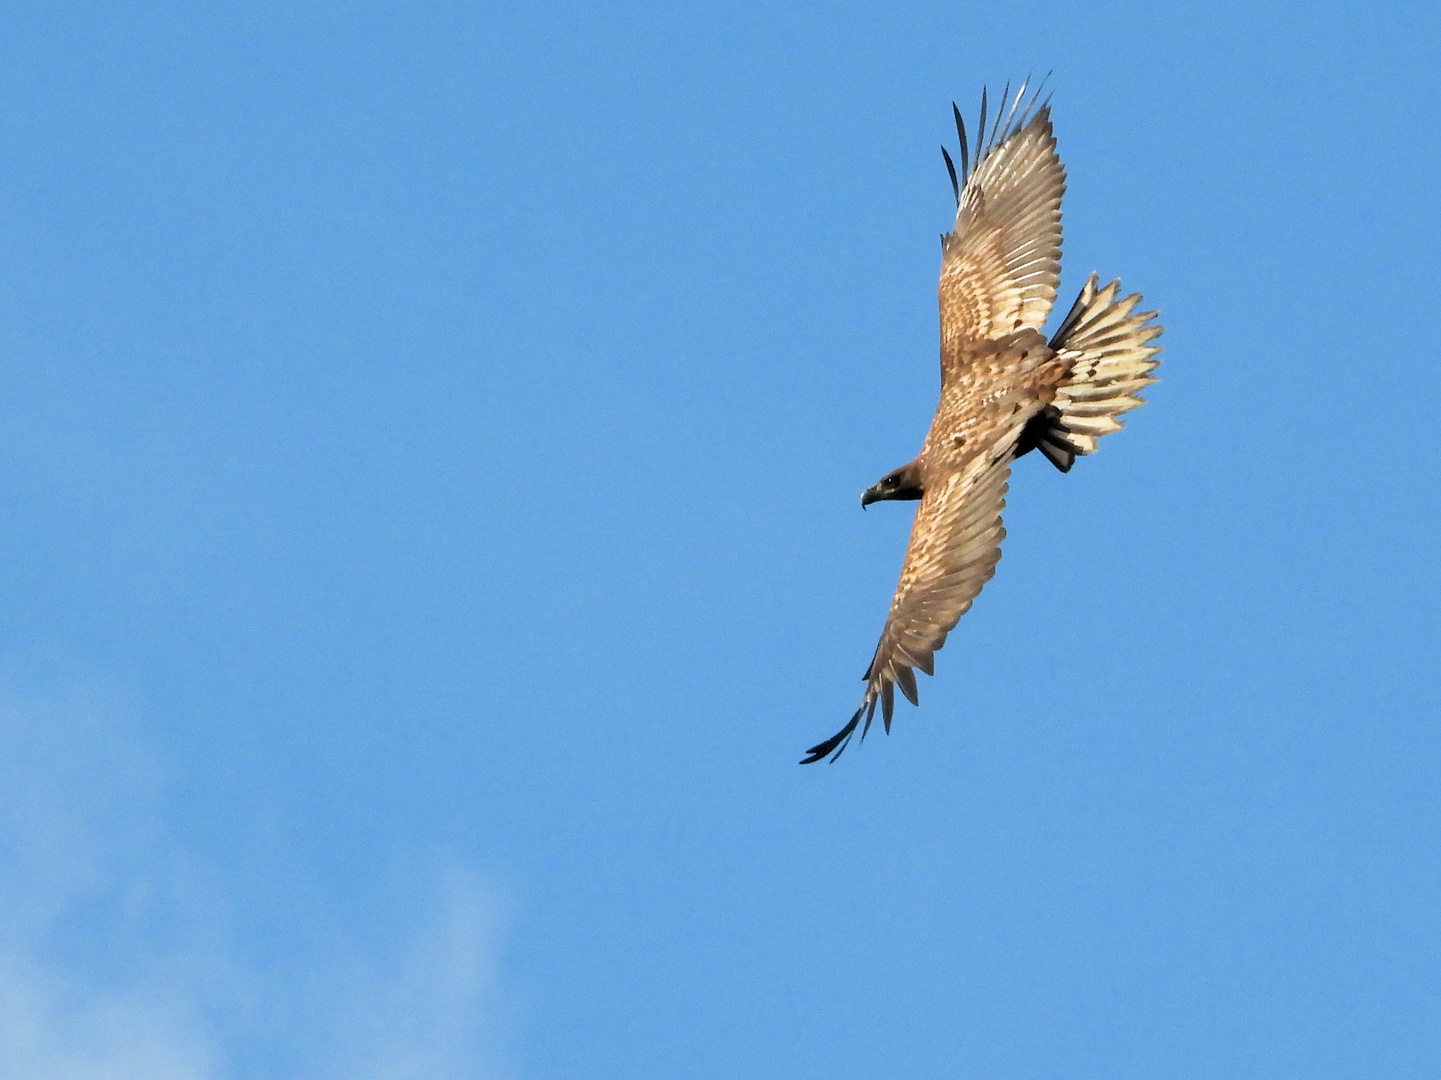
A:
[430,444]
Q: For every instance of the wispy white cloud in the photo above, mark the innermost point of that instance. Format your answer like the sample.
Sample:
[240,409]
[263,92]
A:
[434,1015]
[114,957]
[54,1027]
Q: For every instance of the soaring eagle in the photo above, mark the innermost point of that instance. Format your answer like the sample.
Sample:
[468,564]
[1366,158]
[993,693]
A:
[1005,390]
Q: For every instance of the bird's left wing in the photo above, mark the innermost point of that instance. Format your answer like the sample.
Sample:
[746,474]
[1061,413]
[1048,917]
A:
[954,548]
[1002,261]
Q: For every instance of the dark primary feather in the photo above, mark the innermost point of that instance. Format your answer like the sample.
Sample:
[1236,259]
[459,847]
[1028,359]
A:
[965,154]
[996,130]
[981,130]
[835,746]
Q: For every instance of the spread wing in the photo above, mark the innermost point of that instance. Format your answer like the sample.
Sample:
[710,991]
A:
[1001,265]
[955,545]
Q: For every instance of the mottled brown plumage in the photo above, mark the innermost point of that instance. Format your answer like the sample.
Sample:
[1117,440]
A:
[1005,390]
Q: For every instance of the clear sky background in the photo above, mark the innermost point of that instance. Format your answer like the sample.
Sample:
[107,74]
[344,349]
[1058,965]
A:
[430,449]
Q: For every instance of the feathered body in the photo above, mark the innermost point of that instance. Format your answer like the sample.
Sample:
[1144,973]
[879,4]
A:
[1005,390]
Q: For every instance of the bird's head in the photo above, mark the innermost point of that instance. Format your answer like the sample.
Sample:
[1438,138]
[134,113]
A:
[903,483]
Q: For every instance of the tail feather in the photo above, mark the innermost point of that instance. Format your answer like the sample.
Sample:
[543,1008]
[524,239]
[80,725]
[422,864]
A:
[1110,363]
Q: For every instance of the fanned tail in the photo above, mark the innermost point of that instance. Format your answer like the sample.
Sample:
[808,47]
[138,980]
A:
[1110,363]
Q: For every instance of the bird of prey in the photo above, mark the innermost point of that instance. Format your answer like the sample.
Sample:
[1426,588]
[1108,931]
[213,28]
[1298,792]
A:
[1005,389]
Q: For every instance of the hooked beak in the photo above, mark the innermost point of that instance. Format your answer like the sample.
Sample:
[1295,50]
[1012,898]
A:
[869,496]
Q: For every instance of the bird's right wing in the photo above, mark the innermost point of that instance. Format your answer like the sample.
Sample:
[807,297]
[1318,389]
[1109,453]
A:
[955,545]
[1002,262]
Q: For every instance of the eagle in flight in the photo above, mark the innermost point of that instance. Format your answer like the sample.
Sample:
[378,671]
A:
[1005,389]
